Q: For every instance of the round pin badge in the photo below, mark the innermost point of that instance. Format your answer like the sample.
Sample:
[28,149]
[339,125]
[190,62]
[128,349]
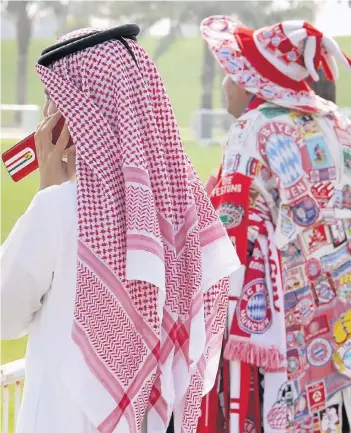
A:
[313,269]
[319,352]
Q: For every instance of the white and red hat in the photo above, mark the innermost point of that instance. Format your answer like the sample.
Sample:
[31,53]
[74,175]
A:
[275,63]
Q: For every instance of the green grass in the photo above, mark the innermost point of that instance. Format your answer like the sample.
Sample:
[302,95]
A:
[180,68]
[15,198]
[181,71]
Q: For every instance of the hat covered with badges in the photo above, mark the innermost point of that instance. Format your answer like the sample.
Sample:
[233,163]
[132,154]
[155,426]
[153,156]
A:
[275,63]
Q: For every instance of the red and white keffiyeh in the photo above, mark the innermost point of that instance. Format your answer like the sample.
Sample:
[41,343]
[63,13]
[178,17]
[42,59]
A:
[153,257]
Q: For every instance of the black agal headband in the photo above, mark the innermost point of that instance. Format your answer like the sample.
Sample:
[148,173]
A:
[71,46]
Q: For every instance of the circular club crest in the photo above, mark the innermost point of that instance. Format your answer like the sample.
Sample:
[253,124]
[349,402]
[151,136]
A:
[305,211]
[231,215]
[324,292]
[319,352]
[313,269]
[254,312]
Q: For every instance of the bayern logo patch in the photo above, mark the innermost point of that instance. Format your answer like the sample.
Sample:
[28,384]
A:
[254,312]
[319,352]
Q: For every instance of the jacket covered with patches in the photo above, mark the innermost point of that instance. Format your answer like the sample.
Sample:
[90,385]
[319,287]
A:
[300,168]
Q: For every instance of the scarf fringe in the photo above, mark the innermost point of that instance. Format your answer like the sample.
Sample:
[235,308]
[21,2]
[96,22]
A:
[267,357]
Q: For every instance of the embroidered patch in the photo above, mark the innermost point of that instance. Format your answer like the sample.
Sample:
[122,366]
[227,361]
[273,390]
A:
[294,337]
[287,225]
[256,168]
[305,211]
[279,145]
[271,112]
[313,269]
[292,254]
[230,215]
[304,425]
[231,161]
[337,232]
[316,396]
[315,238]
[320,164]
[294,363]
[307,125]
[342,275]
[289,318]
[342,128]
[324,292]
[342,328]
[343,198]
[295,279]
[322,192]
[336,259]
[328,214]
[319,352]
[254,311]
[343,135]
[304,310]
[317,327]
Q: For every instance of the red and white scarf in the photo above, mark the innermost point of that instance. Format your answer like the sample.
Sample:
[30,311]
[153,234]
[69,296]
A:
[153,257]
[256,325]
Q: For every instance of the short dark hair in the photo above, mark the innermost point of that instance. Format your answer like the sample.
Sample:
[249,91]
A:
[324,88]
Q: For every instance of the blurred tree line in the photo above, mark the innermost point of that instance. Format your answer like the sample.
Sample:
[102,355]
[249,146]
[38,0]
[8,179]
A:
[76,14]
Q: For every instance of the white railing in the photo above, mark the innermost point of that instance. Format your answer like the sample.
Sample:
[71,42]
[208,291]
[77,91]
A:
[29,120]
[12,376]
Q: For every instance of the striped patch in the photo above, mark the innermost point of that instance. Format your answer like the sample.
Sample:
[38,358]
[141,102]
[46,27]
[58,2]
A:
[20,160]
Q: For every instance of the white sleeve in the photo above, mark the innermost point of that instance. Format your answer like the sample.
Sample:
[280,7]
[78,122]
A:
[28,262]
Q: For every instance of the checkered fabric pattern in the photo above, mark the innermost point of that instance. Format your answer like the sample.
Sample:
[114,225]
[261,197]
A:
[137,192]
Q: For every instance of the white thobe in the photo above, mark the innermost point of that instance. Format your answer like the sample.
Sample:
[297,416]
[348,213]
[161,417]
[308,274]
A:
[37,297]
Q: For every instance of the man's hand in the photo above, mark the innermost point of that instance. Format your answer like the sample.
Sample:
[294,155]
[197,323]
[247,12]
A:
[53,170]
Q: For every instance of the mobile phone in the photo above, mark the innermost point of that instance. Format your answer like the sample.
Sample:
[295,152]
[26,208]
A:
[21,159]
